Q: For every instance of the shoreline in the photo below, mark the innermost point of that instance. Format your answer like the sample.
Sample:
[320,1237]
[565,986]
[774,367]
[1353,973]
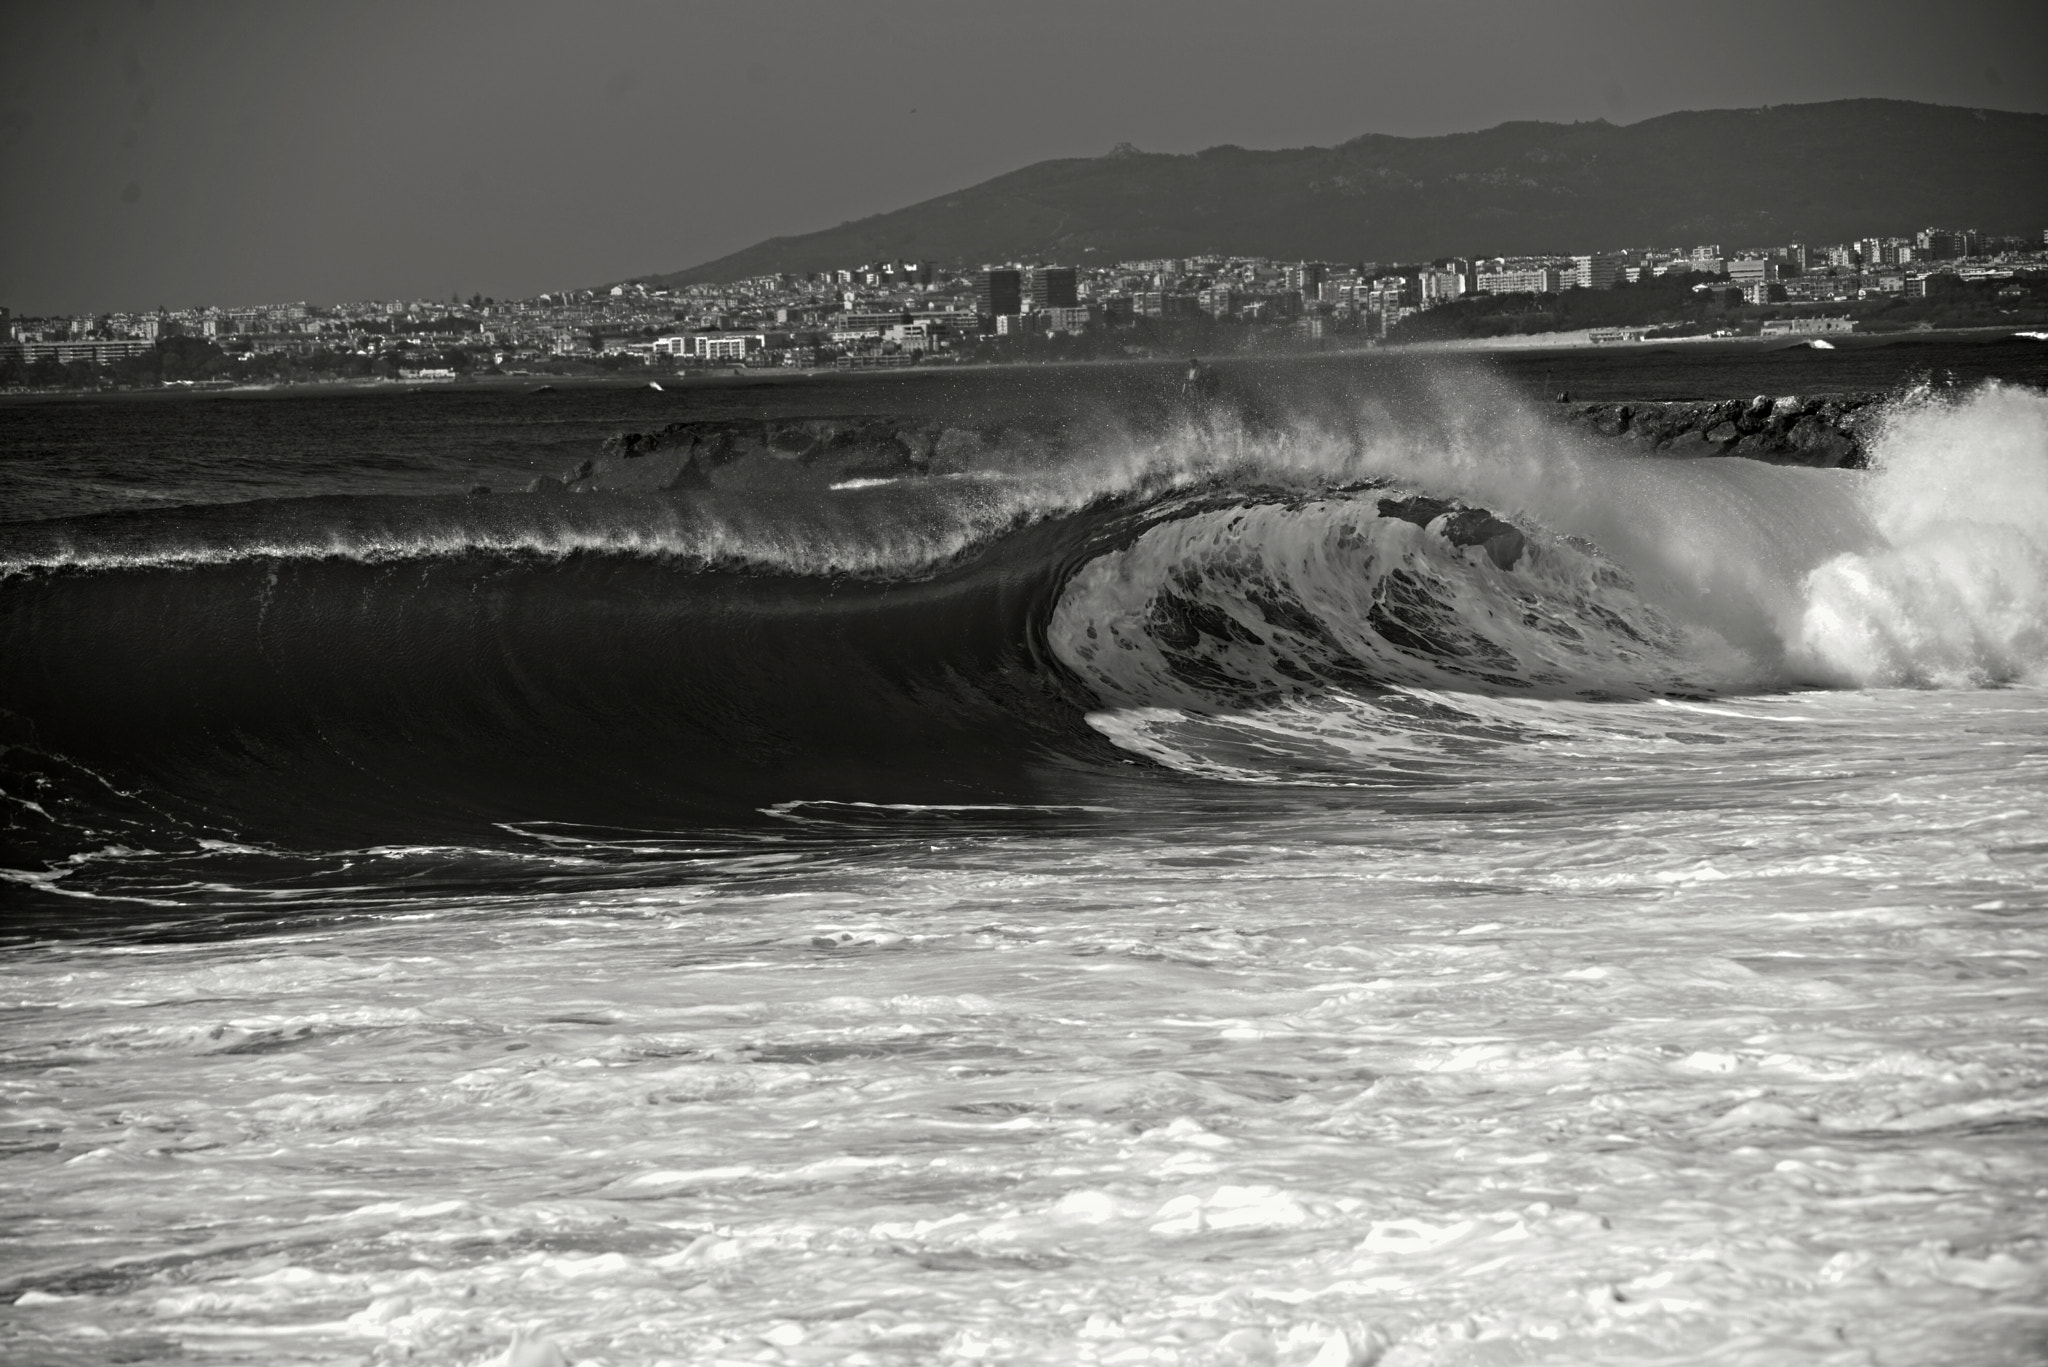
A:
[1574,344]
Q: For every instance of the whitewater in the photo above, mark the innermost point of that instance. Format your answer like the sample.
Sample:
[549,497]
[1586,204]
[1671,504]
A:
[1389,882]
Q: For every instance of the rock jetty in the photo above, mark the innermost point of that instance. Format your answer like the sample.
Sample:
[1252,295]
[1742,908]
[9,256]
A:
[1824,431]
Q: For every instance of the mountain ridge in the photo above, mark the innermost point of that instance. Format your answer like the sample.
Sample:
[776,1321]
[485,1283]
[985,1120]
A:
[1819,172]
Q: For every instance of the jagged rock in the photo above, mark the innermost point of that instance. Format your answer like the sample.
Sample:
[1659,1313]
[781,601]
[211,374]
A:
[1650,424]
[1822,431]
[1815,441]
[1610,419]
[1461,526]
[544,484]
[1502,543]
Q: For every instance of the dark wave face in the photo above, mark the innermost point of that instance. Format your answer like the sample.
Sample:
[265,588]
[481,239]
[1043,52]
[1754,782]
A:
[339,701]
[364,694]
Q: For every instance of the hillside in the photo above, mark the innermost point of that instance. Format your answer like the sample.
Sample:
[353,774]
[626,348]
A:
[1814,172]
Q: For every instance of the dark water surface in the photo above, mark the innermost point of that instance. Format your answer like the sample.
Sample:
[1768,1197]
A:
[62,457]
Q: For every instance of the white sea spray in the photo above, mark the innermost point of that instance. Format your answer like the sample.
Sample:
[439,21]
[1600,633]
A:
[1955,591]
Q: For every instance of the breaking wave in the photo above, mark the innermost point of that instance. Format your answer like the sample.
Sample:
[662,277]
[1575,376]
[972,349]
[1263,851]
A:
[1952,591]
[1369,600]
[1363,636]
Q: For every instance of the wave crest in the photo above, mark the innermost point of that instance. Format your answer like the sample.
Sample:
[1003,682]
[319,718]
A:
[1954,592]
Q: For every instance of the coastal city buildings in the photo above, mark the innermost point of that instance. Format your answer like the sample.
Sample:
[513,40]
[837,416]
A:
[1544,279]
[905,312]
[1052,287]
[999,293]
[1598,271]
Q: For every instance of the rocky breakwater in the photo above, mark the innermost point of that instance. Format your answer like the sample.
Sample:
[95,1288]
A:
[1825,431]
[801,451]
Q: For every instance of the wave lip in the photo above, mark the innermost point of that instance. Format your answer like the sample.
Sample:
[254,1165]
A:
[1364,639]
[1268,602]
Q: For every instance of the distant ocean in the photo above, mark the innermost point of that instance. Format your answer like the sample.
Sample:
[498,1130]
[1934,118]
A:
[1171,901]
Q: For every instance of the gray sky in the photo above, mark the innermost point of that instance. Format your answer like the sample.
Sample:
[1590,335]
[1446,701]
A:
[217,151]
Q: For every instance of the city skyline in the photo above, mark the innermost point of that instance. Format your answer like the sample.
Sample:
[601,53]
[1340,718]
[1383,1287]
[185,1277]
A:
[894,313]
[223,153]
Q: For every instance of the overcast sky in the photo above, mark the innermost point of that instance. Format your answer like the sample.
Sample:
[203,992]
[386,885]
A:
[234,153]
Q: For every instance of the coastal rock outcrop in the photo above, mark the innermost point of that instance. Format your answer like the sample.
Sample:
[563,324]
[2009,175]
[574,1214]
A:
[1824,431]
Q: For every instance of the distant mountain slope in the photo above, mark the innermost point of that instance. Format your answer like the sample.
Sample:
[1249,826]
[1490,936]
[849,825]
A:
[1812,172]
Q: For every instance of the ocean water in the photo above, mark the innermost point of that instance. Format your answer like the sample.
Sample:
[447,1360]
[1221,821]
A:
[1358,876]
